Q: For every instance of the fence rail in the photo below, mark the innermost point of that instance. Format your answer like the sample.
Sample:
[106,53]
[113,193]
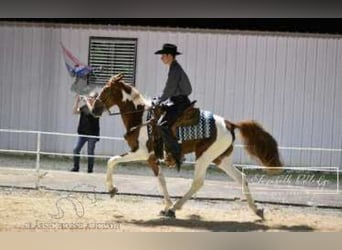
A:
[38,152]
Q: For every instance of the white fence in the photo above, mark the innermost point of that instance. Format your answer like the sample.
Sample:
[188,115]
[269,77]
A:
[38,150]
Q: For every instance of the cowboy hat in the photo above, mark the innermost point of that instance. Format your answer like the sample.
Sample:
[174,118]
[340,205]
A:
[168,49]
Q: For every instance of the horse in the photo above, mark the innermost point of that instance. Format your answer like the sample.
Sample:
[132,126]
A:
[217,149]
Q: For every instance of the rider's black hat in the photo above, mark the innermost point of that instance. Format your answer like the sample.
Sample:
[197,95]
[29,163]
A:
[168,48]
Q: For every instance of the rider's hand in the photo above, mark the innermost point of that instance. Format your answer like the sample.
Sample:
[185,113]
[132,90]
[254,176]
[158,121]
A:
[156,100]
[77,97]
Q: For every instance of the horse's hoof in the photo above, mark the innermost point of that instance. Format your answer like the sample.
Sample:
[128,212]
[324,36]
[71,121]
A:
[169,213]
[260,213]
[113,192]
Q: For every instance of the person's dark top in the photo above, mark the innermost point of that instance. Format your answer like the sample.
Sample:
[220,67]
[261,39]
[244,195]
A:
[177,82]
[88,124]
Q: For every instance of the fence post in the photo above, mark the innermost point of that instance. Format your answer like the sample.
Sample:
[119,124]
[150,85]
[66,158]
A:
[338,180]
[38,159]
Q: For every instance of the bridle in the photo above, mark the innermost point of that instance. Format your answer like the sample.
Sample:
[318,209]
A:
[105,106]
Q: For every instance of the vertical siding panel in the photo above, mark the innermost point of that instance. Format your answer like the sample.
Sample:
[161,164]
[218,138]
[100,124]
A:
[270,74]
[318,102]
[250,83]
[309,91]
[191,59]
[230,72]
[60,90]
[199,91]
[336,136]
[24,103]
[239,97]
[4,62]
[52,79]
[328,106]
[4,84]
[298,100]
[209,74]
[156,70]
[2,73]
[221,65]
[13,85]
[141,66]
[11,108]
[288,118]
[279,91]
[337,115]
[183,48]
[260,92]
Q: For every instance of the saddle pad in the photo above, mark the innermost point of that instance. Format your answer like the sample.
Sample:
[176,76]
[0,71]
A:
[203,129]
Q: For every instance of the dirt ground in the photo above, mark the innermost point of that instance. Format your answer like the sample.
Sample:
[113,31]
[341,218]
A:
[44,210]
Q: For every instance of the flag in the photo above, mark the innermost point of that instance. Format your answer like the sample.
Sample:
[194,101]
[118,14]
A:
[74,66]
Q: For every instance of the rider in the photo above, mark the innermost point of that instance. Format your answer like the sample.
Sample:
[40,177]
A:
[177,90]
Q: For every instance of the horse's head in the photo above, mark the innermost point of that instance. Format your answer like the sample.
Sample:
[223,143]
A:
[110,95]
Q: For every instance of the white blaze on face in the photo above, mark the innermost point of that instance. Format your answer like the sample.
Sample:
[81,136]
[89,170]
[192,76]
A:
[133,97]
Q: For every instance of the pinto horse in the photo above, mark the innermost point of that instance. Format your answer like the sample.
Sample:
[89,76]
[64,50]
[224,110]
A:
[218,149]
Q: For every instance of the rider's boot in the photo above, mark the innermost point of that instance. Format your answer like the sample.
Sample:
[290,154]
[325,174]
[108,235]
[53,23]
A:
[171,145]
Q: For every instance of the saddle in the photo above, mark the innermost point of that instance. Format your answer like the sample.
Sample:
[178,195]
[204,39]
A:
[189,117]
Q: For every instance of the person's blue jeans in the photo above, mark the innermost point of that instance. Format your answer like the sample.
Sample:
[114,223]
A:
[91,149]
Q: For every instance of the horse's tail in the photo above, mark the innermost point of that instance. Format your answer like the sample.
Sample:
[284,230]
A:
[260,144]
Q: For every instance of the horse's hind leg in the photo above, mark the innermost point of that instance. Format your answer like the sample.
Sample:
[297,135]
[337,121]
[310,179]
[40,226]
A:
[198,181]
[227,166]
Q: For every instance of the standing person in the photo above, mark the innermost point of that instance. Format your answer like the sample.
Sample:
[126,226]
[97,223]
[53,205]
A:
[88,125]
[177,90]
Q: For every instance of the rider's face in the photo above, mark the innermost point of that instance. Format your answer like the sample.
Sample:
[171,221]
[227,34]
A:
[91,99]
[167,58]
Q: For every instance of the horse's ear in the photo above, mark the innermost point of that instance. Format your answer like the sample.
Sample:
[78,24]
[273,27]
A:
[115,78]
[118,77]
[108,83]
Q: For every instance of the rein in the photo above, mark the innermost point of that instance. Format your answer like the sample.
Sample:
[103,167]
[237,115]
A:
[131,112]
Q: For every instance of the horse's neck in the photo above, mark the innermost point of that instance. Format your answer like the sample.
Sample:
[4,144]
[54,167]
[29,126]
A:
[132,108]
[131,117]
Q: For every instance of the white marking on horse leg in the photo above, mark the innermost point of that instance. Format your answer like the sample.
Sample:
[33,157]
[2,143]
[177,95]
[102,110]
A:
[110,166]
[162,185]
[227,166]
[199,175]
[139,155]
[222,142]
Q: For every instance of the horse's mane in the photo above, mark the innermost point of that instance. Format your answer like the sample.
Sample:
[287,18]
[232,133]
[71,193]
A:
[145,100]
[134,91]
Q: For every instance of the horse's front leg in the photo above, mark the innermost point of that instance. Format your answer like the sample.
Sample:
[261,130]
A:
[154,164]
[109,179]
[112,162]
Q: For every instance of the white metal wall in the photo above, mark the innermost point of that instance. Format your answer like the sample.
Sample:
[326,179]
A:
[291,84]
